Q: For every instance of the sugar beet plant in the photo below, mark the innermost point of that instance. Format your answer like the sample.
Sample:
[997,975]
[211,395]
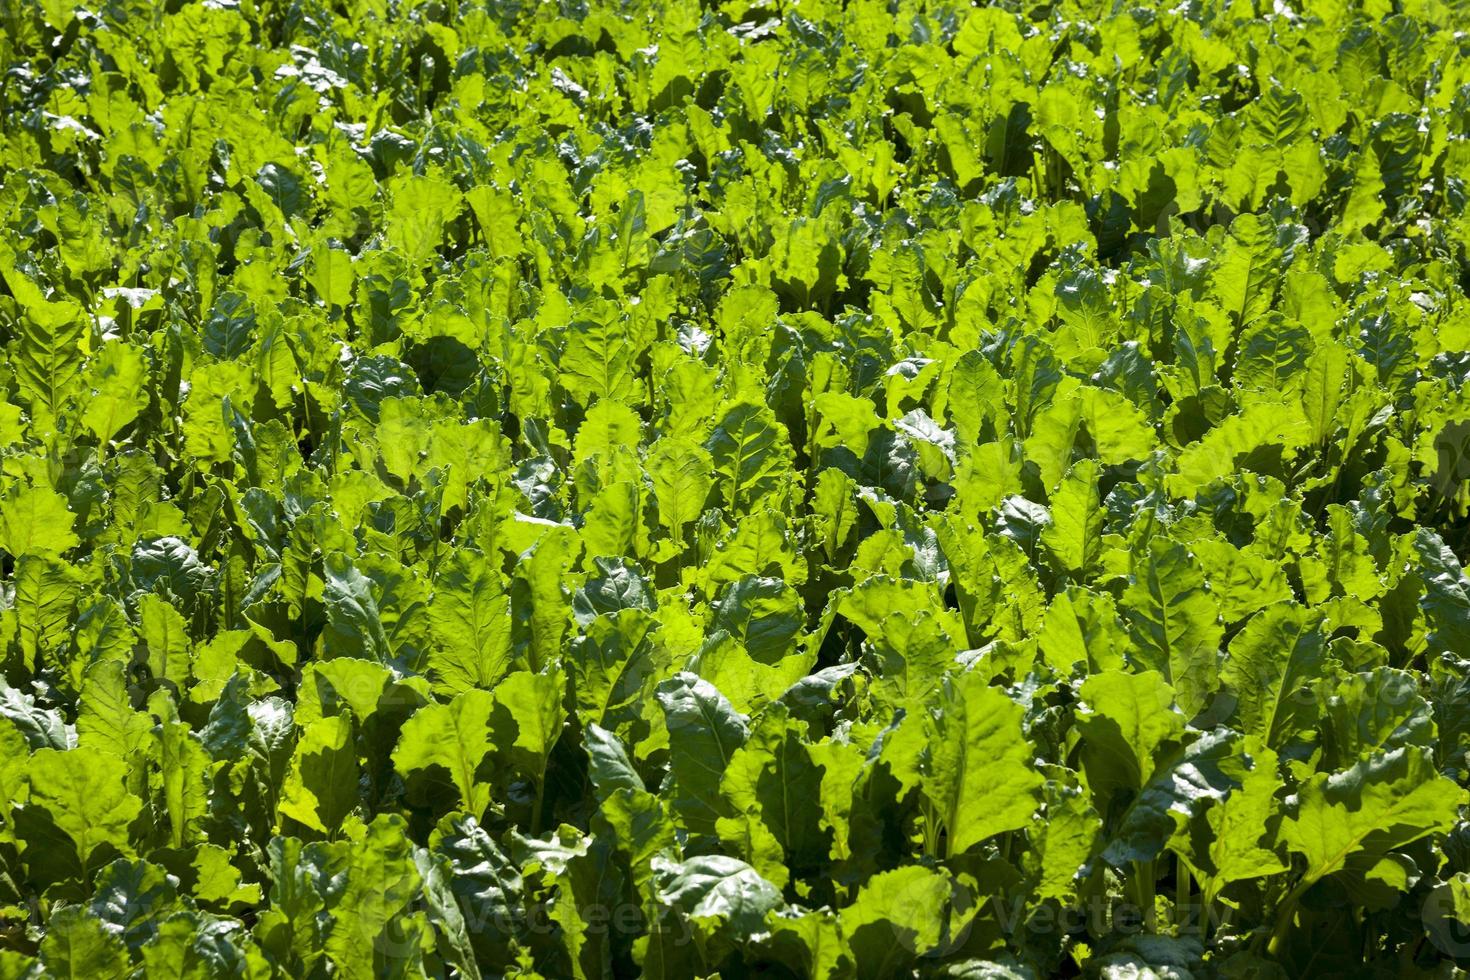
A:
[807,489]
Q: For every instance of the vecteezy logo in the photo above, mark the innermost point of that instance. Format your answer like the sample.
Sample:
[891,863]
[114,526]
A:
[1441,917]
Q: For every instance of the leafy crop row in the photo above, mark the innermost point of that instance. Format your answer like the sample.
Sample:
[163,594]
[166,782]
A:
[815,489]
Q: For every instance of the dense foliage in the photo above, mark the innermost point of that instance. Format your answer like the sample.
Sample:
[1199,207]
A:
[802,488]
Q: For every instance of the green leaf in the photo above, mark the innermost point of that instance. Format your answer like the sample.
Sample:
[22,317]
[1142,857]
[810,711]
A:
[321,788]
[597,362]
[382,879]
[442,908]
[78,946]
[83,793]
[1343,565]
[193,945]
[1351,819]
[470,616]
[681,475]
[1273,352]
[42,728]
[302,876]
[834,510]
[455,736]
[331,687]
[1446,598]
[534,702]
[616,585]
[1370,712]
[13,776]
[421,207]
[810,944]
[185,769]
[844,421]
[1073,539]
[1251,264]
[354,627]
[721,888]
[134,898]
[206,872]
[750,454]
[612,667]
[46,593]
[102,634]
[166,636]
[1242,580]
[485,884]
[1268,669]
[47,355]
[977,771]
[35,521]
[897,917]
[587,889]
[609,431]
[540,573]
[1062,843]
[747,683]
[1242,828]
[610,768]
[611,525]
[117,376]
[1174,622]
[1128,717]
[704,733]
[1120,431]
[1082,628]
[332,275]
[1183,782]
[641,828]
[534,705]
[1265,422]
[764,613]
[1323,389]
[766,781]
[170,567]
